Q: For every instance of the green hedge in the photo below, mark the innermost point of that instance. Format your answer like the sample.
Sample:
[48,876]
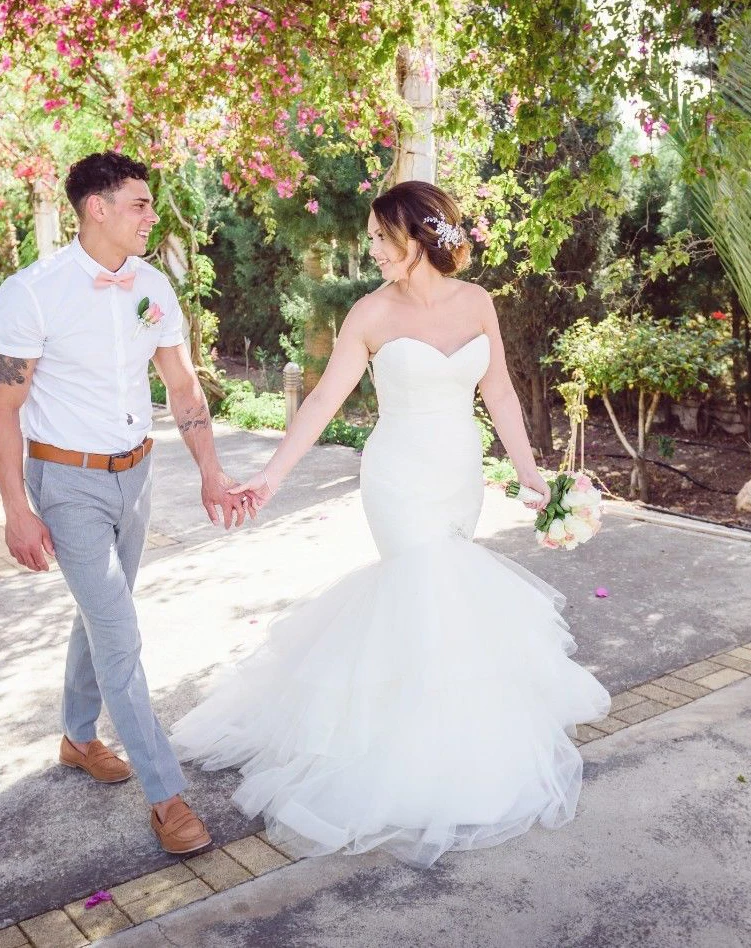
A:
[342,432]
[246,409]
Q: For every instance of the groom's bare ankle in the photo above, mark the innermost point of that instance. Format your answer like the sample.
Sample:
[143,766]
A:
[81,746]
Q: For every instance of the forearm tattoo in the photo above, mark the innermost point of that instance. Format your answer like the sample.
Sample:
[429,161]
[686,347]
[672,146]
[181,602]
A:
[12,371]
[192,419]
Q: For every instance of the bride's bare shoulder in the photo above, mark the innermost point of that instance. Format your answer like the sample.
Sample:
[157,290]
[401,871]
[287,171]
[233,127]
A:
[475,301]
[470,293]
[373,305]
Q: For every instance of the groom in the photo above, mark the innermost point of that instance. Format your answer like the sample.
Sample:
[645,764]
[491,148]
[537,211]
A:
[75,344]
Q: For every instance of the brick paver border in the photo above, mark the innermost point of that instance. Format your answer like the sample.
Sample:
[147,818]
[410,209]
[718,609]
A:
[222,868]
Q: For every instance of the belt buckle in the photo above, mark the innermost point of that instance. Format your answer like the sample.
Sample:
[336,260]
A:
[113,457]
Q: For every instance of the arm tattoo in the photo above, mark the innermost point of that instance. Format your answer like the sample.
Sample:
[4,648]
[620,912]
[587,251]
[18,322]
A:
[12,371]
[198,420]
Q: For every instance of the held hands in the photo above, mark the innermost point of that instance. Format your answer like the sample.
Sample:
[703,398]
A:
[28,539]
[216,492]
[537,482]
[257,491]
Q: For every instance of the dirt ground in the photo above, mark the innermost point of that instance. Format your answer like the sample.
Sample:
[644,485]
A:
[720,463]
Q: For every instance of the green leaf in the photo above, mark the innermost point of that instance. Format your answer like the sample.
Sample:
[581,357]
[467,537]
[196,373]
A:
[143,306]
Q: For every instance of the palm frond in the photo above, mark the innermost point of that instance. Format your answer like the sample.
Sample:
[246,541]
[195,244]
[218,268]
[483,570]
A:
[722,198]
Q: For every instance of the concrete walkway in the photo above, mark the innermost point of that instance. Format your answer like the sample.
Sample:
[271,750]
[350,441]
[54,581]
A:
[676,596]
[657,856]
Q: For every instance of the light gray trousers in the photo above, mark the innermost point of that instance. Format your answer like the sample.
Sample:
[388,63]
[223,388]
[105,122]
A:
[98,522]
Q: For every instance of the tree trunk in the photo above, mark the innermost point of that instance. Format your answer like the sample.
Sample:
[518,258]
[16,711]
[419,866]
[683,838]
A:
[639,473]
[641,481]
[541,435]
[319,332]
[743,499]
[741,359]
[10,241]
[417,83]
[46,217]
[353,259]
[175,260]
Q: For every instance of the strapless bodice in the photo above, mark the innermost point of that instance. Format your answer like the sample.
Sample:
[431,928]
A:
[421,474]
[413,377]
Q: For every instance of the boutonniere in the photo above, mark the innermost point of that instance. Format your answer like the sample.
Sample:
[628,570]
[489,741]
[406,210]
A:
[148,313]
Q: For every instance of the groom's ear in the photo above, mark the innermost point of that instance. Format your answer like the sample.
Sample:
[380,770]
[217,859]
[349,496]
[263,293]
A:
[93,207]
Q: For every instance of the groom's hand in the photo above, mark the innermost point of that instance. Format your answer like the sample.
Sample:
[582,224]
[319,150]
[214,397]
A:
[28,539]
[215,494]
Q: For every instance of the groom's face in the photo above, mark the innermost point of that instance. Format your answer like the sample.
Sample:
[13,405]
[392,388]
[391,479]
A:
[126,217]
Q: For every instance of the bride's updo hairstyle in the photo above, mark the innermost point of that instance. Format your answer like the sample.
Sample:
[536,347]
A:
[428,215]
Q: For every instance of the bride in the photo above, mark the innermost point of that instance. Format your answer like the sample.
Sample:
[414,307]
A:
[423,703]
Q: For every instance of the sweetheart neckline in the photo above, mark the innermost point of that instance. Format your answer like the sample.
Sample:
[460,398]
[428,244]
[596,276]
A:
[482,335]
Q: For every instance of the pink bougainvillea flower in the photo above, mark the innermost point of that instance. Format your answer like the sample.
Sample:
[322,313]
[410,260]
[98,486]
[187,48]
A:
[480,231]
[601,592]
[101,896]
[364,186]
[312,206]
[285,188]
[634,161]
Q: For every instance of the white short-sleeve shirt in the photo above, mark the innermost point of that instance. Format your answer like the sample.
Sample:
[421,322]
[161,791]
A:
[90,388]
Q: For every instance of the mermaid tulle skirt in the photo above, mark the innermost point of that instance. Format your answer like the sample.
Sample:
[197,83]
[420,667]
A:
[421,704]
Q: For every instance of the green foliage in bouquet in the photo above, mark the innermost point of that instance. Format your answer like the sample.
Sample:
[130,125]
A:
[558,488]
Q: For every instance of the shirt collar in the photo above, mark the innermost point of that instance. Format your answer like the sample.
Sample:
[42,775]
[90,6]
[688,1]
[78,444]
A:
[90,265]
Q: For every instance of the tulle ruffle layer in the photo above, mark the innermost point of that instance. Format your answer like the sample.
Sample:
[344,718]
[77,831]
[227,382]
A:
[421,704]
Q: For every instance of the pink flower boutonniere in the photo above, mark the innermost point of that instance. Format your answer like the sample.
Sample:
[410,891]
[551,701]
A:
[148,313]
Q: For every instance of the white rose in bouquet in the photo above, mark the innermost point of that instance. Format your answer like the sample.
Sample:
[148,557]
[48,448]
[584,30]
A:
[580,530]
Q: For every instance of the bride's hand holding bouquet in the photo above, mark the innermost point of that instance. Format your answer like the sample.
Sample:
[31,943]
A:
[534,490]
[571,513]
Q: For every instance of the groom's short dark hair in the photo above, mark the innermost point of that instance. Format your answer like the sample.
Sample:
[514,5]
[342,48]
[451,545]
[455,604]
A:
[101,173]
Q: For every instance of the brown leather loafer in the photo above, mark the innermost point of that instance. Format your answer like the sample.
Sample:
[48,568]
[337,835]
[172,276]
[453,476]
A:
[99,761]
[181,831]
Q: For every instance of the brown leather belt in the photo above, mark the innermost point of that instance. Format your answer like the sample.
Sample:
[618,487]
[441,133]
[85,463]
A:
[114,463]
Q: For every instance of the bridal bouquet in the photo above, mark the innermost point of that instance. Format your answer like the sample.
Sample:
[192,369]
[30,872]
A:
[573,514]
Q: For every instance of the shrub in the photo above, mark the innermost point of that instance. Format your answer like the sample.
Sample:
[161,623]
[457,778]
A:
[158,391]
[342,432]
[246,409]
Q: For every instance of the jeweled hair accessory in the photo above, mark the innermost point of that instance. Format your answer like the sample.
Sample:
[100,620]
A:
[448,234]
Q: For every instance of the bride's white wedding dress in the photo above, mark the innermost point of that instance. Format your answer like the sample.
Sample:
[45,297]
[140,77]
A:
[422,703]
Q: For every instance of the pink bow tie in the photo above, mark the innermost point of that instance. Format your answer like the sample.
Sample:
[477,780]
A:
[123,280]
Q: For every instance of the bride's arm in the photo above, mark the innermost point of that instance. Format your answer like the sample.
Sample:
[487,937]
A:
[344,370]
[503,406]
